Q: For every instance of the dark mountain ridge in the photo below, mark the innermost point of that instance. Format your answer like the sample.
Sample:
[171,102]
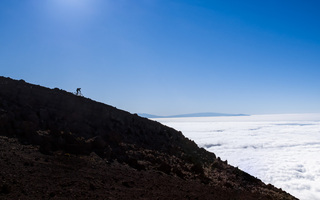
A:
[62,126]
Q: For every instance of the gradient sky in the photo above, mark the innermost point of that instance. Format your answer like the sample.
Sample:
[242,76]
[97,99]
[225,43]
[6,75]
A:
[168,57]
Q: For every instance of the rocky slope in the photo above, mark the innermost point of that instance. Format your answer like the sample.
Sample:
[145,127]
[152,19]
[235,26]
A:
[57,145]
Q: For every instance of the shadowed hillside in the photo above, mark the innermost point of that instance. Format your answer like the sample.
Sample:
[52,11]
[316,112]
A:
[55,144]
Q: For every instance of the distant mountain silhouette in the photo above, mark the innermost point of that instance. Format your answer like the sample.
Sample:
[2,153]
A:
[55,144]
[205,114]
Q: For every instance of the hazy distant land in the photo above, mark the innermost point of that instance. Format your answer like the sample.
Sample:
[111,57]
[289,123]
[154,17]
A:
[205,114]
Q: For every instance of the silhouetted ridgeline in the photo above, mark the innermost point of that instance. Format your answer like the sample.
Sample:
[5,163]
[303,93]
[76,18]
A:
[56,120]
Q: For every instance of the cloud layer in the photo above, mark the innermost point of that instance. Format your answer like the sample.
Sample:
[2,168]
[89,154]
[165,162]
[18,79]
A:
[281,150]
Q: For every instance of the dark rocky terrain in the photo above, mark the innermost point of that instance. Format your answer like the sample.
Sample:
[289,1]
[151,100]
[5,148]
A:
[56,145]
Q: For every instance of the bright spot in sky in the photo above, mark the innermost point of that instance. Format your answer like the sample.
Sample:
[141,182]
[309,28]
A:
[72,5]
[72,9]
[279,149]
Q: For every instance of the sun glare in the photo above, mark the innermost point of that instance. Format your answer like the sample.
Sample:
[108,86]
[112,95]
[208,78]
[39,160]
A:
[73,8]
[71,11]
[73,5]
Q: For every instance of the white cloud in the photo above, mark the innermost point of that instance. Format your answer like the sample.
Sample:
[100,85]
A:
[279,149]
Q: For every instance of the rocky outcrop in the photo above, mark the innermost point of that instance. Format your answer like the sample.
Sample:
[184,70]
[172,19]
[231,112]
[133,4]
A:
[56,121]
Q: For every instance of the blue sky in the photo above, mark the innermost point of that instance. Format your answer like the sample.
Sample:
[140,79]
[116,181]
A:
[169,57]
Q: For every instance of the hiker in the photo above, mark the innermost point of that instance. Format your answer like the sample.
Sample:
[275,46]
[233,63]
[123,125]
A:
[78,93]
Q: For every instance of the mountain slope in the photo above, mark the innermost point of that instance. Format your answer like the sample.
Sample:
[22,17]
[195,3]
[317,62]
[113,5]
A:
[65,134]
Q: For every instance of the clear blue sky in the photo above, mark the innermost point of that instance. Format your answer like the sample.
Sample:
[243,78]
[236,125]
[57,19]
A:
[169,56]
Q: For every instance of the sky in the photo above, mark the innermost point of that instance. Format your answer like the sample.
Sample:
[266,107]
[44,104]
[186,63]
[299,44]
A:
[169,57]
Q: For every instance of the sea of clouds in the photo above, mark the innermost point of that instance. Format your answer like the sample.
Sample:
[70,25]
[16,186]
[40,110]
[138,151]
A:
[283,150]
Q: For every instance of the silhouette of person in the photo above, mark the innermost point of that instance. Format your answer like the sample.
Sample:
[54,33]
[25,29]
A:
[78,92]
